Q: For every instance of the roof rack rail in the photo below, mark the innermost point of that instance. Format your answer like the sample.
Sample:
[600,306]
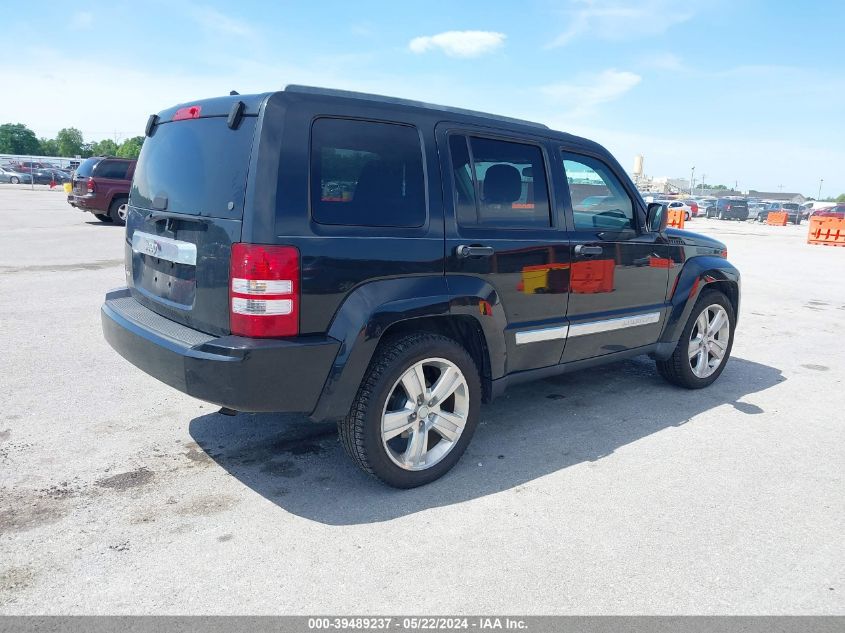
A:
[350,94]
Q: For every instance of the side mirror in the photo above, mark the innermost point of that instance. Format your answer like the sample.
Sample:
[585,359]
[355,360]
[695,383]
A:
[656,217]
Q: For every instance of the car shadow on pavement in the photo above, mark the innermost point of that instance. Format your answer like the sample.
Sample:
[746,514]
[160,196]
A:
[533,430]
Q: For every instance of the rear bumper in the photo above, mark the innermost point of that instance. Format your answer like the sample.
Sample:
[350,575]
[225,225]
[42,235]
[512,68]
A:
[94,203]
[239,373]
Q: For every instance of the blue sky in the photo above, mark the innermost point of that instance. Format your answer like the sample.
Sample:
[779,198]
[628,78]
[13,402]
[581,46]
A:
[747,91]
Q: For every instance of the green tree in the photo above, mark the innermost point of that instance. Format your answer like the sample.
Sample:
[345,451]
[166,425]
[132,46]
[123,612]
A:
[131,147]
[840,197]
[106,147]
[16,138]
[49,146]
[70,142]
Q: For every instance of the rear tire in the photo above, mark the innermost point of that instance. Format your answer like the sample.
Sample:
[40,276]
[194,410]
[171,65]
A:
[117,211]
[102,217]
[678,369]
[14,180]
[390,398]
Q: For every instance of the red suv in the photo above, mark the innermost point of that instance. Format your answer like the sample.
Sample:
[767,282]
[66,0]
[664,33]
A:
[101,186]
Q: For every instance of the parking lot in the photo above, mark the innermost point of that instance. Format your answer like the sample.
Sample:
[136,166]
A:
[601,492]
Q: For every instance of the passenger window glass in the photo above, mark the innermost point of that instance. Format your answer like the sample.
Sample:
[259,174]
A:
[599,201]
[465,207]
[366,174]
[511,181]
[112,169]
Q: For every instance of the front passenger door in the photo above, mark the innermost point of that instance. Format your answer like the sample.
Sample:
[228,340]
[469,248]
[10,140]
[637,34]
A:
[620,271]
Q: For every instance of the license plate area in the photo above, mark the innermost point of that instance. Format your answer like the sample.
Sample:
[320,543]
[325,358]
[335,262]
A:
[161,279]
[164,269]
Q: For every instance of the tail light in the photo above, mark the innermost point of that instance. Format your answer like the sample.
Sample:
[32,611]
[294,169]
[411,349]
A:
[728,207]
[264,291]
[90,185]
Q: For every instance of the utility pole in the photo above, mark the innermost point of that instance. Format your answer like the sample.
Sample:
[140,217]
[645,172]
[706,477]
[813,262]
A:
[703,180]
[692,180]
[821,181]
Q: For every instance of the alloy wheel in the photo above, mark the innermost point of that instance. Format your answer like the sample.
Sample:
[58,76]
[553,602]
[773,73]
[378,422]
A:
[709,340]
[425,414]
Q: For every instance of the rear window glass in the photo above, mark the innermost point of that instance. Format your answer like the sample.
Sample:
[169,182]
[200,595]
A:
[791,207]
[199,166]
[365,173]
[86,167]
[511,181]
[115,169]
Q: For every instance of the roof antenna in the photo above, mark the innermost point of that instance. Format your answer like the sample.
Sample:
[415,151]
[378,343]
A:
[232,93]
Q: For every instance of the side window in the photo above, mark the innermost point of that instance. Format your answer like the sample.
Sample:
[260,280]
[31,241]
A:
[112,169]
[464,185]
[366,174]
[511,184]
[599,201]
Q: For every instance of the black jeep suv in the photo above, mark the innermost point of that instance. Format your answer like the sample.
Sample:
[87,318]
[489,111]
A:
[391,265]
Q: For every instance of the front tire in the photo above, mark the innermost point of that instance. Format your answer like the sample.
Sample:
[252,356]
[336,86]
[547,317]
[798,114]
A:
[415,412]
[705,344]
[14,180]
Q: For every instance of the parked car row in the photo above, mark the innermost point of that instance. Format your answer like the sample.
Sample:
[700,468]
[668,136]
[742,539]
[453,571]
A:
[8,174]
[739,208]
[31,171]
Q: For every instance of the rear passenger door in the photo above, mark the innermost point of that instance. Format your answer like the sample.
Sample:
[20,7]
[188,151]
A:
[502,226]
[619,272]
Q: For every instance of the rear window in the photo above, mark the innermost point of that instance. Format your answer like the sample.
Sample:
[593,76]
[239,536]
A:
[198,166]
[86,167]
[114,169]
[365,173]
[791,207]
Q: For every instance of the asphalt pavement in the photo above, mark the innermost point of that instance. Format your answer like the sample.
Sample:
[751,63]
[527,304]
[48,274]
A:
[601,492]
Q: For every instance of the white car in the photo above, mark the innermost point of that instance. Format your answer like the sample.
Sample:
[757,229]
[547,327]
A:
[679,205]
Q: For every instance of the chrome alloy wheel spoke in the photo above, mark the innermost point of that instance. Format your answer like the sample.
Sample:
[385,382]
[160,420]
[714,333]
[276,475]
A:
[425,414]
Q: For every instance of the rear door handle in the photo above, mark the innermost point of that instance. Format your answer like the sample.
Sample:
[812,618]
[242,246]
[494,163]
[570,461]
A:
[465,251]
[583,249]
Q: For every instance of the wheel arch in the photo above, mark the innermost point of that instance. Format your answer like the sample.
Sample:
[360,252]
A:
[698,274]
[469,313]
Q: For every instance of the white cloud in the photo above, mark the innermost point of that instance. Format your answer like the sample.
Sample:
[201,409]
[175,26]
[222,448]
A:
[459,43]
[213,20]
[620,20]
[81,20]
[588,91]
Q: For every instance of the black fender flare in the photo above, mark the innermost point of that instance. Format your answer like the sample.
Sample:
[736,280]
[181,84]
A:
[697,274]
[371,309]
